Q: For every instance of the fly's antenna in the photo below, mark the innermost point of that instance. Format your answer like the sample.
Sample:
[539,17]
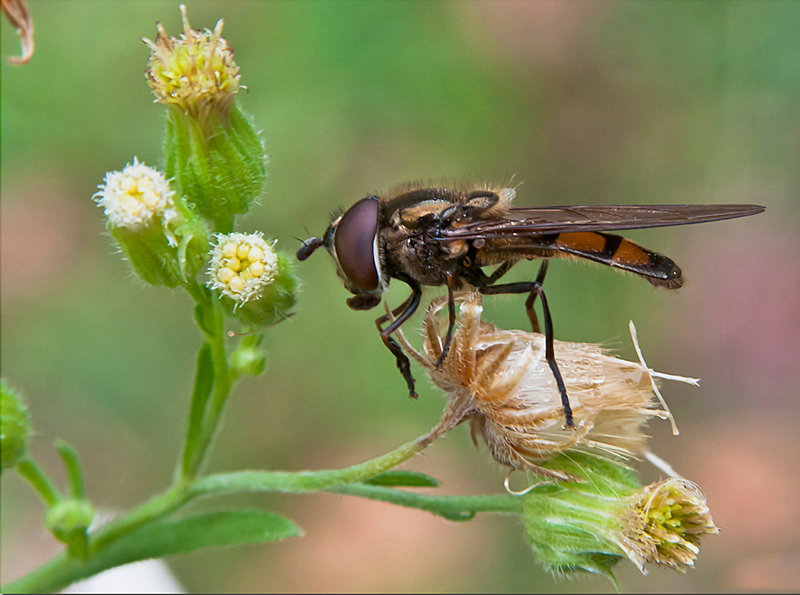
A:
[308,248]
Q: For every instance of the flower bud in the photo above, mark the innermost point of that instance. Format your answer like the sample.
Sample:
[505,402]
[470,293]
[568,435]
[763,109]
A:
[247,359]
[589,525]
[213,151]
[163,240]
[664,522]
[68,520]
[255,283]
[14,427]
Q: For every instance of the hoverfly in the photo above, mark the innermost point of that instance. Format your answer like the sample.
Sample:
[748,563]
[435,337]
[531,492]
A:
[446,236]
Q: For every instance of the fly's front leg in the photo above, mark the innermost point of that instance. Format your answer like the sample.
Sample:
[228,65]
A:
[451,308]
[403,313]
[535,289]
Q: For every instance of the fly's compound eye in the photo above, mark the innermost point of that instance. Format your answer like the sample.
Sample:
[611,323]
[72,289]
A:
[356,244]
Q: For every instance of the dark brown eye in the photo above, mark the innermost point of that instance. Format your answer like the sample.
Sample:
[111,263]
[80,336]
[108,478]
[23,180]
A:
[354,243]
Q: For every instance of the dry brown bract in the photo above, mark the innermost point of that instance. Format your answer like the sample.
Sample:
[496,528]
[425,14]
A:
[16,12]
[499,380]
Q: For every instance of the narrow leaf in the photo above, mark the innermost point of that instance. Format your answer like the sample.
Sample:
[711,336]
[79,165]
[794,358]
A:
[203,381]
[218,529]
[409,479]
[73,468]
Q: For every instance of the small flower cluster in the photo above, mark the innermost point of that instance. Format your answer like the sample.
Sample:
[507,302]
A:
[136,197]
[195,71]
[242,265]
[214,155]
[664,524]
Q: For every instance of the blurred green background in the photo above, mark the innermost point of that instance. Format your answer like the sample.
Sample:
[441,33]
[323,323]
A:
[590,102]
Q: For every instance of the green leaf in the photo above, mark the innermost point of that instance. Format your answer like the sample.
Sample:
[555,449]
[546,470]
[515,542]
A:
[410,479]
[218,529]
[203,381]
[457,516]
[73,468]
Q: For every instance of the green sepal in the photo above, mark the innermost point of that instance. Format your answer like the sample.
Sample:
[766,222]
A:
[575,526]
[168,255]
[15,427]
[220,167]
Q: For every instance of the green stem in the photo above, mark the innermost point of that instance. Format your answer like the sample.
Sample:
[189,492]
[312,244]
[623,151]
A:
[307,481]
[222,388]
[39,480]
[156,508]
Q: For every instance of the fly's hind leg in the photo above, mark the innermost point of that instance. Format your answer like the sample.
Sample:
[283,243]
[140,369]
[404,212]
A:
[534,288]
[532,298]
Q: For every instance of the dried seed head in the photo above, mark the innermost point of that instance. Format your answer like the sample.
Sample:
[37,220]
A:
[502,381]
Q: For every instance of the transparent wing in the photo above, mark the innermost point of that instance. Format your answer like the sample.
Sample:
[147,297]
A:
[547,220]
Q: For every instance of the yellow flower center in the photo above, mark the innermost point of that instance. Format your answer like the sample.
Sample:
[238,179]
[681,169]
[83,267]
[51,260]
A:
[242,265]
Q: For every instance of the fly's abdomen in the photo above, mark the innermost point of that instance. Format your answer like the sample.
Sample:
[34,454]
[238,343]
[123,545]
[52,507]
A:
[604,248]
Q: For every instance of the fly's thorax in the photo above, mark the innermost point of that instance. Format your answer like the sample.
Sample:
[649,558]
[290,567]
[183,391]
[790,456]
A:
[417,256]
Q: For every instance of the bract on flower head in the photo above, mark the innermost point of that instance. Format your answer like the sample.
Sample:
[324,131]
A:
[136,197]
[242,265]
[195,71]
[501,382]
[15,426]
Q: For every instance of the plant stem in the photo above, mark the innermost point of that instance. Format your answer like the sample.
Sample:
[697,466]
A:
[161,505]
[39,480]
[311,481]
[222,388]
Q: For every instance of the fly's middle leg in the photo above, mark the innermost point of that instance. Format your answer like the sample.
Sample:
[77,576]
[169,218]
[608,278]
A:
[534,289]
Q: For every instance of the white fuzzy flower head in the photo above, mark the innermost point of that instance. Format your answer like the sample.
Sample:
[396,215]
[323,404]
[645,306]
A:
[136,197]
[242,265]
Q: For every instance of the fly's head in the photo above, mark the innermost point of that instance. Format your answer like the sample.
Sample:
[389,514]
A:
[353,242]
